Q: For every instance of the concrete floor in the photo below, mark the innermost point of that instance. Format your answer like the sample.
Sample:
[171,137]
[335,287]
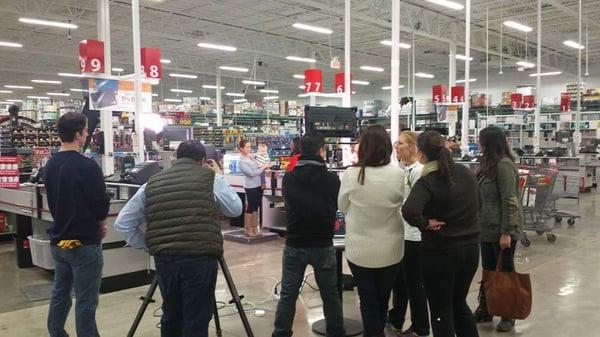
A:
[565,277]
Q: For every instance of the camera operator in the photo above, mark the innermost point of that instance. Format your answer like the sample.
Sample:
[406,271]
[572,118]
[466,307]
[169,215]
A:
[179,207]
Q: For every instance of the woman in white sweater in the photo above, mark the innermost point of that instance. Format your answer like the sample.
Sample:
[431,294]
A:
[371,195]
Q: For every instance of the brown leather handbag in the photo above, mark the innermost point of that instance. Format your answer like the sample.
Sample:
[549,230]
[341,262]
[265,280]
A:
[508,294]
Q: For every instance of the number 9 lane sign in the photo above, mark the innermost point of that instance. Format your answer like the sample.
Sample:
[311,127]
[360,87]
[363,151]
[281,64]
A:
[313,80]
[91,56]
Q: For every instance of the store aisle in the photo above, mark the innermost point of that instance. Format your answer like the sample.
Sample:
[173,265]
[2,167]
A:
[565,277]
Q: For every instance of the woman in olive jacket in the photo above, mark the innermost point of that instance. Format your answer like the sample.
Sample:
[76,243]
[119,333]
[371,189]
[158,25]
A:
[500,217]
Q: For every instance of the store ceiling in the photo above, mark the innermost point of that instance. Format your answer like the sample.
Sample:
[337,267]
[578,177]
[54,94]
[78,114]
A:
[263,34]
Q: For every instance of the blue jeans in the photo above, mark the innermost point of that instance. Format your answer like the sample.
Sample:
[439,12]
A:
[294,265]
[80,269]
[187,285]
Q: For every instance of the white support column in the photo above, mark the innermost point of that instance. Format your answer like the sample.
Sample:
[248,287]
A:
[312,99]
[137,71]
[409,87]
[452,82]
[219,100]
[346,100]
[108,161]
[395,69]
[538,87]
[577,134]
[464,139]
[413,112]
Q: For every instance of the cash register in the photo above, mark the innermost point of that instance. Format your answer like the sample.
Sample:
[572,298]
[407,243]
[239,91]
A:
[138,174]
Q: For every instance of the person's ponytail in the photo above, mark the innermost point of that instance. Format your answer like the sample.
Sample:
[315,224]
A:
[445,163]
[432,144]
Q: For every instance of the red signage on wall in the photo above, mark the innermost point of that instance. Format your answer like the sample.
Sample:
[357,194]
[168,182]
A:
[457,94]
[565,102]
[438,93]
[339,83]
[516,100]
[528,101]
[151,66]
[91,56]
[313,80]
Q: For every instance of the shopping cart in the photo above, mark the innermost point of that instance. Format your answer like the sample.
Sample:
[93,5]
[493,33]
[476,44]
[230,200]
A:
[565,187]
[536,186]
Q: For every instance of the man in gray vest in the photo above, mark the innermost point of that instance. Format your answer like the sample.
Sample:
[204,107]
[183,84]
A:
[179,207]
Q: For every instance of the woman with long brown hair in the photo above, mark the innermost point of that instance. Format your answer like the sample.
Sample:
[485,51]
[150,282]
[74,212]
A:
[252,186]
[371,195]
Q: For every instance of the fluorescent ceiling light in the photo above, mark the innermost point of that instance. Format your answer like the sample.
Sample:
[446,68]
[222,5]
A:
[183,75]
[269,91]
[46,81]
[463,81]
[10,44]
[525,64]
[300,59]
[5,91]
[154,95]
[315,29]
[241,100]
[175,100]
[573,44]
[303,95]
[236,69]
[235,94]
[79,90]
[118,70]
[402,45]
[357,82]
[58,94]
[209,86]
[389,87]
[216,46]
[48,23]
[371,68]
[424,75]
[269,98]
[18,87]
[253,82]
[205,98]
[299,76]
[185,91]
[302,87]
[462,57]
[448,4]
[70,75]
[165,61]
[14,100]
[550,73]
[518,26]
[38,97]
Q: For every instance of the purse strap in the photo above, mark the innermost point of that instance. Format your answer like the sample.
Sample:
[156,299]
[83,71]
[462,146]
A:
[499,262]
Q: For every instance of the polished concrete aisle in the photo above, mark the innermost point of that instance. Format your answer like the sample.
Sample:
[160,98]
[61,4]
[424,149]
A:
[565,274]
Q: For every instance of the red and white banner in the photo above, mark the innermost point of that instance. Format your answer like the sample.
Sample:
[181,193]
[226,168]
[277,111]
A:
[339,83]
[457,94]
[151,66]
[438,93]
[91,56]
[528,101]
[565,102]
[313,80]
[516,100]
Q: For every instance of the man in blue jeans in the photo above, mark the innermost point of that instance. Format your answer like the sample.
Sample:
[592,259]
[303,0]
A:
[179,207]
[310,194]
[79,206]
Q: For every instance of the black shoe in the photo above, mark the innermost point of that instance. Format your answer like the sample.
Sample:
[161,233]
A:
[505,325]
[482,315]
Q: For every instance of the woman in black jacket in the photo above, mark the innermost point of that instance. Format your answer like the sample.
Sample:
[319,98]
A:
[444,205]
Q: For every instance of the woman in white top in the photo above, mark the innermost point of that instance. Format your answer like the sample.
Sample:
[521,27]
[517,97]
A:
[409,282]
[371,195]
[252,186]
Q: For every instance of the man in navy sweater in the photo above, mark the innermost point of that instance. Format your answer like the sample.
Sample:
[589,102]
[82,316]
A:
[79,206]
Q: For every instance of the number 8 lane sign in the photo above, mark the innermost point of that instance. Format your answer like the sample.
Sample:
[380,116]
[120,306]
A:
[313,80]
[151,67]
[91,56]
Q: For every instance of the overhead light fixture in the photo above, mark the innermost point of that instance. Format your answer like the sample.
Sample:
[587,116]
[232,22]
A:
[389,87]
[311,28]
[58,94]
[57,24]
[38,97]
[447,4]
[18,87]
[303,95]
[46,81]
[185,91]
[174,100]
[154,95]
[216,46]
[269,91]
[235,94]
[14,100]
[462,57]
[118,70]
[241,100]
[389,43]
[8,103]
[79,90]
[299,76]
[302,87]
[525,64]
[550,73]
[573,44]
[357,82]
[10,44]
[183,75]
[518,26]
[5,91]
[209,86]
[300,59]
[270,98]
[236,69]
[70,75]
[165,61]
[371,68]
[424,75]
[253,82]
[463,81]
[205,98]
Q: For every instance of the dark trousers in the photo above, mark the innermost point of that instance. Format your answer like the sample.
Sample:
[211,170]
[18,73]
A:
[374,288]
[447,276]
[409,288]
[187,285]
[490,252]
[294,264]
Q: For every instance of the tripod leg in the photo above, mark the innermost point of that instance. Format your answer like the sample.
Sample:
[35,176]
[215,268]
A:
[217,321]
[236,297]
[140,313]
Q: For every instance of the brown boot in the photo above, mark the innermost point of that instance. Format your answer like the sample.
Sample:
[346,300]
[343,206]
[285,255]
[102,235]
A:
[248,224]
[257,227]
